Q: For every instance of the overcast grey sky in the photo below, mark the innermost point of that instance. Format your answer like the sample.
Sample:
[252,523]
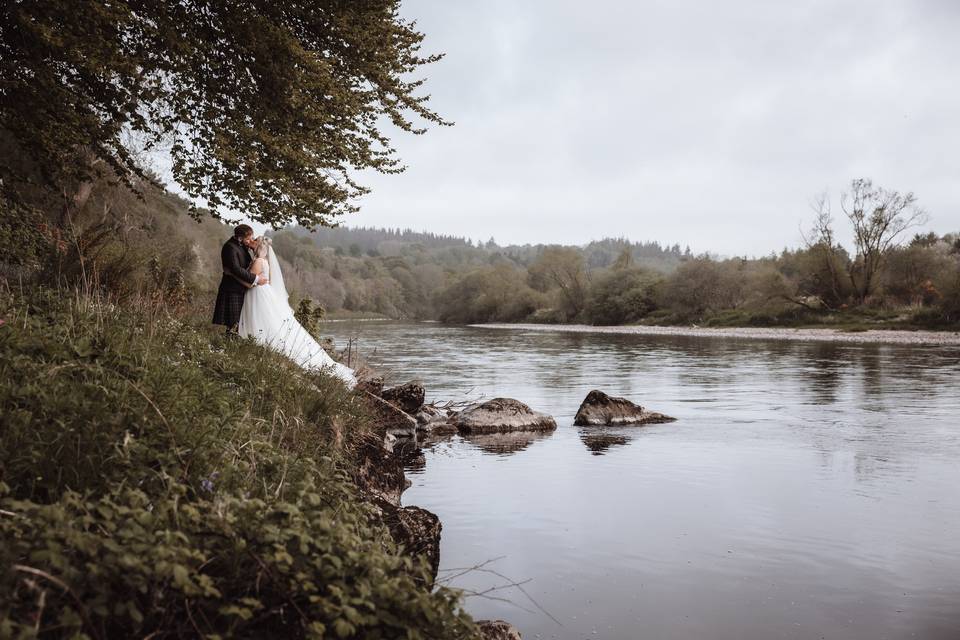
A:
[712,124]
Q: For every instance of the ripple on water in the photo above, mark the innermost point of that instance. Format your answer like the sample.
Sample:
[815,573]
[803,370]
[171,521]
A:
[806,490]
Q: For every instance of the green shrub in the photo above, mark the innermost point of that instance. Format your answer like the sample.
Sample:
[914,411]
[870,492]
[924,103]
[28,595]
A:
[158,479]
[310,315]
[491,294]
[93,397]
[128,564]
[547,315]
[22,236]
[622,296]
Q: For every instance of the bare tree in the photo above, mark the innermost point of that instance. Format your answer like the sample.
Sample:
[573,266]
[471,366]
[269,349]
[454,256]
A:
[562,268]
[822,242]
[878,217]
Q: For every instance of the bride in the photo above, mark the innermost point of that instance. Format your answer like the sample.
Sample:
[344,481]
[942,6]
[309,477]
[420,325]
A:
[266,316]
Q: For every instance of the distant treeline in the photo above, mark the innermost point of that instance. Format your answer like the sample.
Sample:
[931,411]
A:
[406,274]
[890,276]
[148,247]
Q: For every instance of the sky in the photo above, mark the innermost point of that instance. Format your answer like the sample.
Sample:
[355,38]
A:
[709,124]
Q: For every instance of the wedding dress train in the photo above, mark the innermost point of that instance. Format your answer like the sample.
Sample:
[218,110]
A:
[267,318]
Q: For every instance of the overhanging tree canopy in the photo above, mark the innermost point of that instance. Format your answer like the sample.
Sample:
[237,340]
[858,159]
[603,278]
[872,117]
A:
[267,107]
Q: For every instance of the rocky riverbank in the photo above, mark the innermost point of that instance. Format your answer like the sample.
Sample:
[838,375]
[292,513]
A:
[891,336]
[399,415]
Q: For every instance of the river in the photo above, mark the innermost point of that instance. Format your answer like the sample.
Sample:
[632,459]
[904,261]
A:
[806,490]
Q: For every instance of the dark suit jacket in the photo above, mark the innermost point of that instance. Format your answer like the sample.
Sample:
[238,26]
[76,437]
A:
[236,267]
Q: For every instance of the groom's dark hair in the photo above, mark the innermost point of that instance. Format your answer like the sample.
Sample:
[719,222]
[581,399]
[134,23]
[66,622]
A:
[242,231]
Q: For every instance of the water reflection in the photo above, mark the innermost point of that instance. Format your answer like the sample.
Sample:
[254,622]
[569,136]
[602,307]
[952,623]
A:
[824,374]
[410,454]
[806,489]
[599,442]
[505,443]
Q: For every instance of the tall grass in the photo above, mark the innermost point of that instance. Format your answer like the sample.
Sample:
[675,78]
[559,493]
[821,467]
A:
[159,479]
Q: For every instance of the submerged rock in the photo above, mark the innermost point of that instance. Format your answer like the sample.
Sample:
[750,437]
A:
[498,630]
[430,416]
[438,432]
[600,409]
[407,397]
[501,415]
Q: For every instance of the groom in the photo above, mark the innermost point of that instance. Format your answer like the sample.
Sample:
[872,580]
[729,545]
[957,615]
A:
[236,278]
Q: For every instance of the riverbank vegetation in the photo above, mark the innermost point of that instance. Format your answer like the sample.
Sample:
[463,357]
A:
[894,275]
[160,480]
[147,245]
[156,481]
[157,478]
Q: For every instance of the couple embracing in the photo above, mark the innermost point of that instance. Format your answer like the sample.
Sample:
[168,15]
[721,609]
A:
[252,301]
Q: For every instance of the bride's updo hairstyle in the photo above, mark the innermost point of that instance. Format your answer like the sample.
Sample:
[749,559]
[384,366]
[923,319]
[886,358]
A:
[263,245]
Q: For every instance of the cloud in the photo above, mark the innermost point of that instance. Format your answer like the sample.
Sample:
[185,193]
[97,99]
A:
[711,124]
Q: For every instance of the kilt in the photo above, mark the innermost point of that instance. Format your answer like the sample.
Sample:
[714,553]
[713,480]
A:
[228,307]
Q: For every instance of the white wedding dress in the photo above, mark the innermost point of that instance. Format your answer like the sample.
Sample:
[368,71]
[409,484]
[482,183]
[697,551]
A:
[267,318]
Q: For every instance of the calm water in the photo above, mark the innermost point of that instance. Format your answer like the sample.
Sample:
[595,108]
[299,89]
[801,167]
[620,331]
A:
[807,490]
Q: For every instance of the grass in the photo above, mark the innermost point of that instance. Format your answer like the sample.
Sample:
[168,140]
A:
[158,479]
[852,320]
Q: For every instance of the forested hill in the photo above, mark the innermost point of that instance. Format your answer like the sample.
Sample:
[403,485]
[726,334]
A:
[377,241]
[374,241]
[404,273]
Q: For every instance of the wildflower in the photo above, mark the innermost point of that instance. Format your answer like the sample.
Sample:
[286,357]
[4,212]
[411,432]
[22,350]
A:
[207,483]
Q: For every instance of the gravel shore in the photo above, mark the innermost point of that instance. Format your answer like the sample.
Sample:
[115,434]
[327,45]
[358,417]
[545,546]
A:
[749,333]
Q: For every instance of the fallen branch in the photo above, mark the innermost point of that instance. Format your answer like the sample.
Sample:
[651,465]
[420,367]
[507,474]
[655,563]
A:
[511,584]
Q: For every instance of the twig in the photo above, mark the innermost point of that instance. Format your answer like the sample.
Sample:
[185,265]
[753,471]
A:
[481,568]
[41,605]
[66,589]
[465,570]
[193,622]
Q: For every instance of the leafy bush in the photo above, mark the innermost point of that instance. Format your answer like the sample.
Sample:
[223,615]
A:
[622,296]
[21,235]
[701,286]
[155,482]
[128,564]
[310,315]
[96,396]
[492,294]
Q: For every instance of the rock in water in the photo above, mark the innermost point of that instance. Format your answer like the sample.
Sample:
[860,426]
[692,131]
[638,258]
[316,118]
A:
[418,532]
[428,414]
[387,418]
[498,630]
[600,409]
[501,415]
[379,472]
[408,397]
[434,420]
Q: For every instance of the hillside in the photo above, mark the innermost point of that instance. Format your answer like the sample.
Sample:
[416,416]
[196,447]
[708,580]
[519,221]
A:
[157,480]
[402,273]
